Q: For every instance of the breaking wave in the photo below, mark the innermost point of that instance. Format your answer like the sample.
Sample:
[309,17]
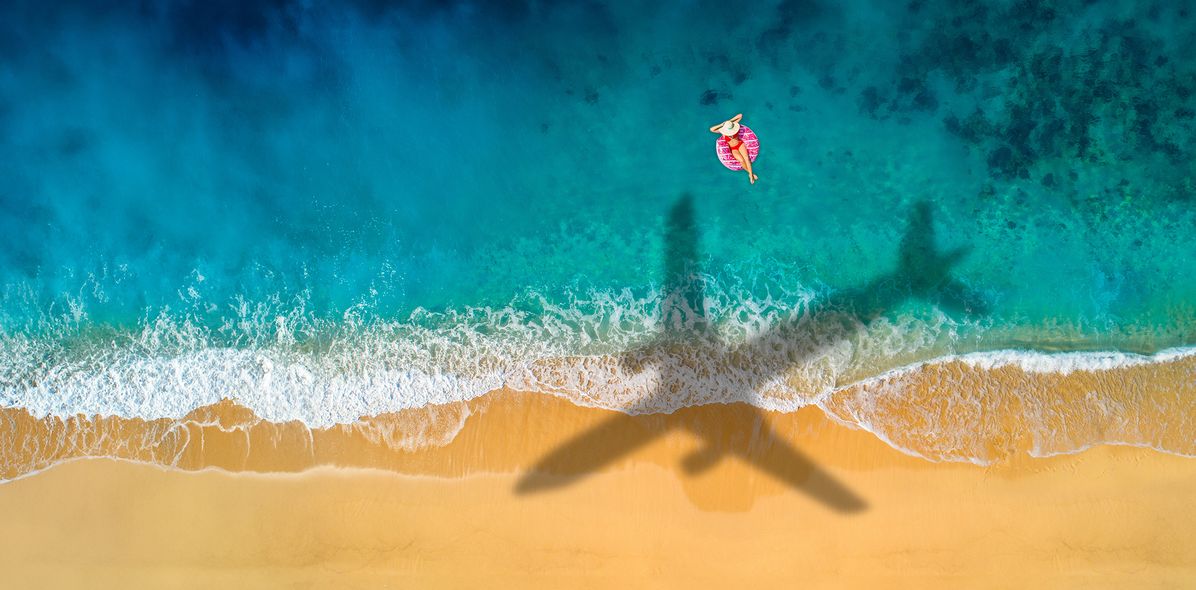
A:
[404,384]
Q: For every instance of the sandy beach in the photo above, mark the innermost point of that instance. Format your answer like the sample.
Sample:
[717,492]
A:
[453,516]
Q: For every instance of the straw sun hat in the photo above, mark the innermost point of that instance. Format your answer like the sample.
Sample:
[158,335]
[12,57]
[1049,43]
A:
[729,128]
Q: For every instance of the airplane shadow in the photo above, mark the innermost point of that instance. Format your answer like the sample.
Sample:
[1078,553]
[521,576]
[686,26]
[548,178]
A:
[741,429]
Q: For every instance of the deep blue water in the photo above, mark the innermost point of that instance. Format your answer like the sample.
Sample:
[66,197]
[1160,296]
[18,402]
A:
[210,167]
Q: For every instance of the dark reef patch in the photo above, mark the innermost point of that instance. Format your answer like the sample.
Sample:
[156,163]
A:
[870,101]
[1113,92]
[804,33]
[712,97]
[791,14]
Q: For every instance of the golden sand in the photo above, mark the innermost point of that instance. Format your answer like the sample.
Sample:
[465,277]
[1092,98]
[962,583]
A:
[442,497]
[1107,518]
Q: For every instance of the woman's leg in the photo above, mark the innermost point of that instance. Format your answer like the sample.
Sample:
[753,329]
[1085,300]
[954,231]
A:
[743,163]
[741,154]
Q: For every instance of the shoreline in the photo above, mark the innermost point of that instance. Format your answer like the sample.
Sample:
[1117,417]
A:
[938,412]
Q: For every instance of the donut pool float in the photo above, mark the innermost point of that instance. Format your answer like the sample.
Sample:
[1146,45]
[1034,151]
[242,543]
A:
[724,152]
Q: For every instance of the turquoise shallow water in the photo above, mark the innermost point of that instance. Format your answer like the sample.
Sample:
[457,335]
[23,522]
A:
[418,202]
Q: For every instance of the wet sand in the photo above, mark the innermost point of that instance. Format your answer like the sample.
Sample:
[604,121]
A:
[453,516]
[950,412]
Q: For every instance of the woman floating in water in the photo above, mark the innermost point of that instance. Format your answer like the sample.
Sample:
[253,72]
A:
[742,146]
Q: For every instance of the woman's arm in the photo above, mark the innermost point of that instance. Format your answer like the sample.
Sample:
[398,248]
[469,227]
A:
[735,119]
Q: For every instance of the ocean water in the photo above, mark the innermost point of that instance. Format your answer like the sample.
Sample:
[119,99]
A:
[325,212]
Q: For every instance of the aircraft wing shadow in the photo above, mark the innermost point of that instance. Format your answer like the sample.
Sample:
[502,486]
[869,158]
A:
[590,451]
[778,458]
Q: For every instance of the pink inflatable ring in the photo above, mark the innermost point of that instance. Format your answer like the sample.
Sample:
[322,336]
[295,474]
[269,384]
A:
[724,152]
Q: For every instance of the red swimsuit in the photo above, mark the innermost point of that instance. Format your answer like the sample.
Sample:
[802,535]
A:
[727,139]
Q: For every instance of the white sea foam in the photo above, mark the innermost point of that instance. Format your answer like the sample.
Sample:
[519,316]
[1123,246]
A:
[936,411]
[1032,361]
[597,349]
[1064,363]
[275,389]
